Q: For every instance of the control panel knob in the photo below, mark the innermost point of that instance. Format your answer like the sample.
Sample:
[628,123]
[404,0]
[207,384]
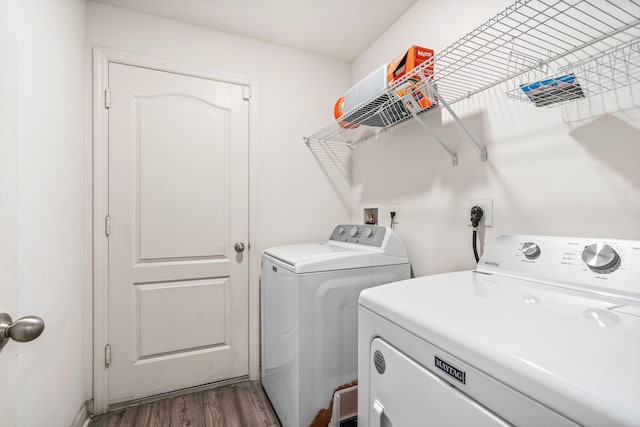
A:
[369,232]
[531,250]
[354,231]
[600,256]
[341,230]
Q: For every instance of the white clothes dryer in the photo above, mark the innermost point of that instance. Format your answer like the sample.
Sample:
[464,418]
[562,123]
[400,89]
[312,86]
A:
[545,332]
[309,314]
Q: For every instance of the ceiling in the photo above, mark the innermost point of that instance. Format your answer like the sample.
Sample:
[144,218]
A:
[340,29]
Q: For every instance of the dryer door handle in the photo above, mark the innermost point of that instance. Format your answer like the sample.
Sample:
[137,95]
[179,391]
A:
[378,412]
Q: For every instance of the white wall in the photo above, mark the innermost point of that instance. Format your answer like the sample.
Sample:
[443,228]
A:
[547,173]
[45,169]
[292,196]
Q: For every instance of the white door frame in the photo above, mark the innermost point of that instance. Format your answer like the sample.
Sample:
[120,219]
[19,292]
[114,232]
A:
[101,59]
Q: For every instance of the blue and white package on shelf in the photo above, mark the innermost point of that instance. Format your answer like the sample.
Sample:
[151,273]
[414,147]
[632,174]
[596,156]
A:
[553,90]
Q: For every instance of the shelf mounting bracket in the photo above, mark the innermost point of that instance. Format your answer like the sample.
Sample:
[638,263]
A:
[445,104]
[412,107]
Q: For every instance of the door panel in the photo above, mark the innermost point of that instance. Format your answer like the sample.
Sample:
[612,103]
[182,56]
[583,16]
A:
[174,134]
[178,303]
[192,313]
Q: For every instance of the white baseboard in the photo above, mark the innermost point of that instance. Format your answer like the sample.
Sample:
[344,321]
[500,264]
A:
[81,417]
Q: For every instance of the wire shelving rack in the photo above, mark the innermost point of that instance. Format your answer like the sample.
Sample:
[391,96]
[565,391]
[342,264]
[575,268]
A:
[549,52]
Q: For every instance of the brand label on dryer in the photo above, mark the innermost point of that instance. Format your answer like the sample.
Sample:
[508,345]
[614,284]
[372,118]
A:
[450,370]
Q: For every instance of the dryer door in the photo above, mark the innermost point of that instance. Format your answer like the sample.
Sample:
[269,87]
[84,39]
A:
[404,393]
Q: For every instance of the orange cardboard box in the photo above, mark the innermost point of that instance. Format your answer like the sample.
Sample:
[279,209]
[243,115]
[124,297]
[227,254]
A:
[418,101]
[406,62]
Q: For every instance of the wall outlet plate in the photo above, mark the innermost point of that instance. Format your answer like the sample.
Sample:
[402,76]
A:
[370,216]
[371,213]
[487,208]
[395,207]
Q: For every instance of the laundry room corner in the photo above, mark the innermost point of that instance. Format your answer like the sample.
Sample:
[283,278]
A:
[562,170]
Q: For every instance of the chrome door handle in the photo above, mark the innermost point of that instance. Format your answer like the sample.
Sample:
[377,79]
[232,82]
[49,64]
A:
[22,330]
[239,247]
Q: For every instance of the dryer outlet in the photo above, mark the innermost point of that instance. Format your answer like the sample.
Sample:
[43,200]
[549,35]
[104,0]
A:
[487,209]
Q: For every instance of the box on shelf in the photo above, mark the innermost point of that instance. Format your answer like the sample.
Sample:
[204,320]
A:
[418,101]
[366,88]
[405,97]
[409,60]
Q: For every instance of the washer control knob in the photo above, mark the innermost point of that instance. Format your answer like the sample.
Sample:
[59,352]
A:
[341,230]
[354,231]
[369,232]
[600,256]
[531,250]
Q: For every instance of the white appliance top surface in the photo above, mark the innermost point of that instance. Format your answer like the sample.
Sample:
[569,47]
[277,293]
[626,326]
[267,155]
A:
[314,257]
[575,351]
[348,247]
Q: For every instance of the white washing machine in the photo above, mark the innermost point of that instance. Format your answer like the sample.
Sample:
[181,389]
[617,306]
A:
[309,314]
[545,332]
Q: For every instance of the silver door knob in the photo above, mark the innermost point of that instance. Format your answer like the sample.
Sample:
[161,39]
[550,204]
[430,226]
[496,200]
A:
[239,247]
[22,330]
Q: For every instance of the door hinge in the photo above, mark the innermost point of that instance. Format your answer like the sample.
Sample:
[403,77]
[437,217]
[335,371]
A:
[246,93]
[107,225]
[107,99]
[107,355]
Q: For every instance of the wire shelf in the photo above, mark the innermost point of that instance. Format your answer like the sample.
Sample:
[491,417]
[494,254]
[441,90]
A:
[409,95]
[531,35]
[531,41]
[608,71]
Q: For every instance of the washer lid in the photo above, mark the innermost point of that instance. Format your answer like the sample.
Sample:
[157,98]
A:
[575,352]
[313,257]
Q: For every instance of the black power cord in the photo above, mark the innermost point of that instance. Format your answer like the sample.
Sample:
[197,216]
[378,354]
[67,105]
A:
[476,216]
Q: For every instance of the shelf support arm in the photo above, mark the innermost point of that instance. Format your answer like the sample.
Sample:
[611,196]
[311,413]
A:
[483,151]
[408,99]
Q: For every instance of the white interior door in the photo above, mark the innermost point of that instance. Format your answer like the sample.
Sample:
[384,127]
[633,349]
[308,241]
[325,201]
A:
[178,202]
[9,278]
[9,377]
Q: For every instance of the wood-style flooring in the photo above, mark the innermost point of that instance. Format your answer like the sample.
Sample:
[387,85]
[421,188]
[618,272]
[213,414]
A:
[237,405]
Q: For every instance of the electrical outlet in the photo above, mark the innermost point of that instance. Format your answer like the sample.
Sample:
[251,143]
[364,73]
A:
[487,209]
[394,208]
